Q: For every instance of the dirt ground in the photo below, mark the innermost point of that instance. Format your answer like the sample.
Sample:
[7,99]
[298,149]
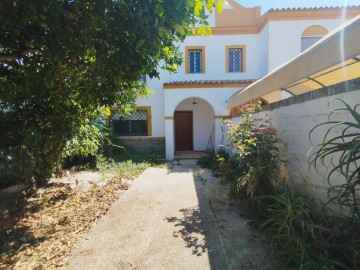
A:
[39,231]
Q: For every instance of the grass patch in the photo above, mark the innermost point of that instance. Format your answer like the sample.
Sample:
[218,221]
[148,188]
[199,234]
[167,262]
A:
[125,169]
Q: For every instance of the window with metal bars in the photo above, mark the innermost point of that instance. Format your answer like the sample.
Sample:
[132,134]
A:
[135,124]
[235,60]
[195,60]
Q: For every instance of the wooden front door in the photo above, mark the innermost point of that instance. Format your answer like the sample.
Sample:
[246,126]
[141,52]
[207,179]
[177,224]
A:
[183,131]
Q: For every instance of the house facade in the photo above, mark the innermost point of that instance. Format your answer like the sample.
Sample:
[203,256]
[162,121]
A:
[186,110]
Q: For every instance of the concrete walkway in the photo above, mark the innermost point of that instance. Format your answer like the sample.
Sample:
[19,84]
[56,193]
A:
[170,219]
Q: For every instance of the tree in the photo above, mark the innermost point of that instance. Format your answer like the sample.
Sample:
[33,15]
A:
[61,60]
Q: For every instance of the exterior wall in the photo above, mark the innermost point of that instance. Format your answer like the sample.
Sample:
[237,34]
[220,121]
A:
[145,144]
[203,121]
[216,97]
[294,122]
[156,101]
[263,56]
[285,38]
[215,58]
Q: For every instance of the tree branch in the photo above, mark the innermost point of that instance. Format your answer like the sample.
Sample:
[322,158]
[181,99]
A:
[17,56]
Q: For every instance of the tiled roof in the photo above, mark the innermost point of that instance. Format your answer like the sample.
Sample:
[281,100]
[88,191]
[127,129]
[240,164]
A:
[210,82]
[312,8]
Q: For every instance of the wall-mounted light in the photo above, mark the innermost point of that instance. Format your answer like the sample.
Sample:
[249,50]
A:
[194,102]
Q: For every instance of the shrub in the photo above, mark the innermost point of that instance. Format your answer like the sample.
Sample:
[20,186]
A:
[254,168]
[212,160]
[300,236]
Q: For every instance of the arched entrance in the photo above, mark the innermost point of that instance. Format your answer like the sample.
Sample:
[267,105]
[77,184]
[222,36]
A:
[194,125]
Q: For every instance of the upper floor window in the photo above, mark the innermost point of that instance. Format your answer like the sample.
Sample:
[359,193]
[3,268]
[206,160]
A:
[195,59]
[311,35]
[136,124]
[235,58]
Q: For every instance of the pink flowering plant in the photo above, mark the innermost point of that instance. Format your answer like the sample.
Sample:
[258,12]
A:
[253,168]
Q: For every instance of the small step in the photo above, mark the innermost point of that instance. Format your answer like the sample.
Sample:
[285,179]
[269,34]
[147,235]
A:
[189,155]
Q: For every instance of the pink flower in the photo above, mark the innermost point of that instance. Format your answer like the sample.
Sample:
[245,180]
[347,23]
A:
[262,129]
[230,123]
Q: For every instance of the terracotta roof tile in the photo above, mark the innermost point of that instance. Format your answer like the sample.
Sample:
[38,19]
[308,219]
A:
[208,84]
[312,8]
[200,82]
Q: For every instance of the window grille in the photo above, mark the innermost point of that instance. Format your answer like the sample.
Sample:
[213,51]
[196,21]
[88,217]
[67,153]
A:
[135,124]
[235,60]
[195,60]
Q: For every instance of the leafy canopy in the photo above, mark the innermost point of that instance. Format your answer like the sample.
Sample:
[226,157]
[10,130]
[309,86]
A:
[61,60]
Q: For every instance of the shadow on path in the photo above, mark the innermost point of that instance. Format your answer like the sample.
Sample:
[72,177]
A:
[190,229]
[218,230]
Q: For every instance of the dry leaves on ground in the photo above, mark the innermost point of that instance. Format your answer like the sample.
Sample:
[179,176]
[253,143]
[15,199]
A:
[43,233]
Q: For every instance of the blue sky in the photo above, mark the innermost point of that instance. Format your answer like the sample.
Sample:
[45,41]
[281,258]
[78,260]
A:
[268,4]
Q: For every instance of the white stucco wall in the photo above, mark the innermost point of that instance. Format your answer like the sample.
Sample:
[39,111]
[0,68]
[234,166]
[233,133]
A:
[203,122]
[215,57]
[216,97]
[293,124]
[285,38]
[156,101]
[263,55]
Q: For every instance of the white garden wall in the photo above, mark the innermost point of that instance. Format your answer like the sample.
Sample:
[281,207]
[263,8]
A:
[295,117]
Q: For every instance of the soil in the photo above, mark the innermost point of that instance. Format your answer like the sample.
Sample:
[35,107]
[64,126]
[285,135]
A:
[39,231]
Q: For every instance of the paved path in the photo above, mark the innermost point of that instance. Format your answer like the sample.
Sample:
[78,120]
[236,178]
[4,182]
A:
[170,219]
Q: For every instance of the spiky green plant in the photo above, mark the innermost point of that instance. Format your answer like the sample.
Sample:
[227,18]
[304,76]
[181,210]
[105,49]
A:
[301,239]
[341,148]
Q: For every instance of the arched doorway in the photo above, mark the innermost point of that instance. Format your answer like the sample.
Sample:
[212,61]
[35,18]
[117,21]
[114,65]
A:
[194,125]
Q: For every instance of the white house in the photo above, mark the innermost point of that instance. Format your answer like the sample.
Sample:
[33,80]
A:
[187,107]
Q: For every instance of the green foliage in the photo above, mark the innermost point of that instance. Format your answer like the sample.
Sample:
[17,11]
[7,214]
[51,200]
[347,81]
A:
[126,169]
[254,168]
[211,160]
[301,239]
[86,142]
[62,60]
[342,138]
[339,152]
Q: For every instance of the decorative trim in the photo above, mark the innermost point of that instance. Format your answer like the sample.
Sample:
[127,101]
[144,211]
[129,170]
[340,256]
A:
[243,57]
[287,15]
[187,49]
[315,31]
[169,117]
[138,108]
[205,85]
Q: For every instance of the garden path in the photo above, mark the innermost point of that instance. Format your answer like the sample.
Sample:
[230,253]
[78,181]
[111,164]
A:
[175,218]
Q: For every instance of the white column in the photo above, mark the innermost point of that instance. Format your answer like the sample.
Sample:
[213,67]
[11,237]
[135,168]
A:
[169,138]
[220,138]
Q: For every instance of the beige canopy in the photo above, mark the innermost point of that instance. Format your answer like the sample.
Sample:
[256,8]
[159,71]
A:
[333,59]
